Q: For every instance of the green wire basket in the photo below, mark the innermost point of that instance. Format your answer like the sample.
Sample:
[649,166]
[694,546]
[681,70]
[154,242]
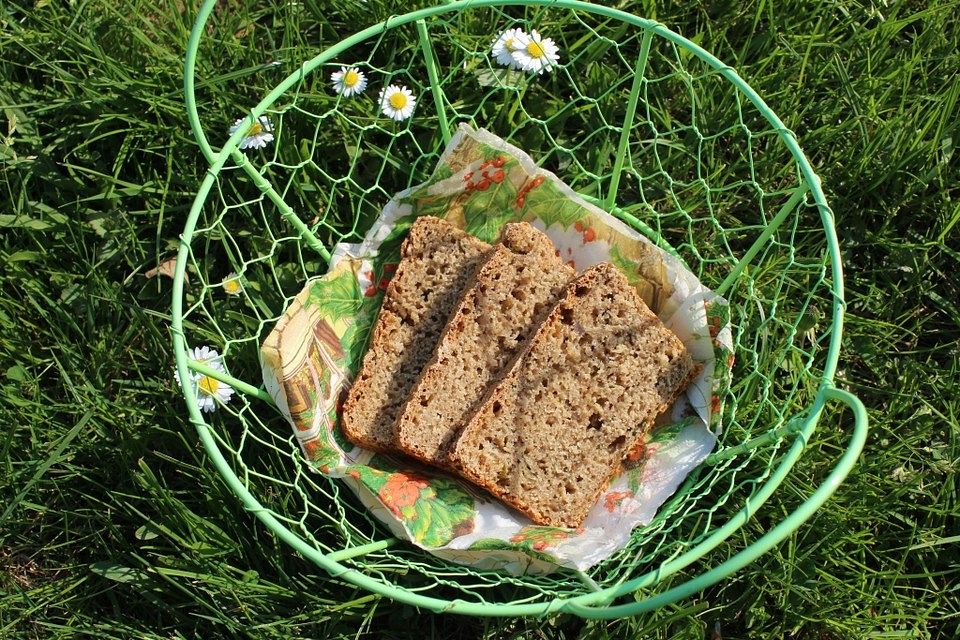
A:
[636,118]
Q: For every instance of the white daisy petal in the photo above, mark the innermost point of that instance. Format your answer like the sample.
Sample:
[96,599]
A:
[232,285]
[536,54]
[503,47]
[176,376]
[258,135]
[397,102]
[211,392]
[349,81]
[206,403]
[207,356]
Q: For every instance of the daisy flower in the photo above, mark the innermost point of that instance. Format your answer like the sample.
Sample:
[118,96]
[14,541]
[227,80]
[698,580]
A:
[349,81]
[535,53]
[397,102]
[208,390]
[232,285]
[258,135]
[504,46]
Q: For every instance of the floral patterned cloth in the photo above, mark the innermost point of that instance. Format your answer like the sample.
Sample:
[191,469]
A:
[480,184]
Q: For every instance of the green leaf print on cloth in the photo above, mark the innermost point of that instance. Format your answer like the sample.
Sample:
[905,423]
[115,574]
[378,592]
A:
[336,297]
[357,335]
[321,454]
[543,199]
[495,544]
[489,199]
[434,510]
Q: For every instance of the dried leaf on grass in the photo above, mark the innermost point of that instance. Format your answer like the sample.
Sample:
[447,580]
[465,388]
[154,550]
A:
[166,268]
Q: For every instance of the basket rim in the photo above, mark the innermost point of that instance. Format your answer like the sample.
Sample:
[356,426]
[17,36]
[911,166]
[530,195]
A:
[595,604]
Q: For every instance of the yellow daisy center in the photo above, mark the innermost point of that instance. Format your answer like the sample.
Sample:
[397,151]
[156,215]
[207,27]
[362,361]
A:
[508,43]
[232,286]
[208,385]
[535,50]
[350,78]
[398,100]
[255,129]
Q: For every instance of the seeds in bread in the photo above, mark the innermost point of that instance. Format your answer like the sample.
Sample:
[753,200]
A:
[585,390]
[510,295]
[437,260]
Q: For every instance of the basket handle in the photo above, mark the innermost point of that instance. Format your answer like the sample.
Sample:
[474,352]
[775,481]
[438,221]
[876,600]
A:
[766,542]
[189,74]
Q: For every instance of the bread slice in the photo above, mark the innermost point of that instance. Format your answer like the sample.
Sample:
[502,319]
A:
[508,298]
[585,390]
[437,260]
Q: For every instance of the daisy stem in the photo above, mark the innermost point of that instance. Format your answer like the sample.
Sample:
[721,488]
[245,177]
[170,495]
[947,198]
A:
[624,146]
[285,210]
[517,103]
[435,88]
[226,378]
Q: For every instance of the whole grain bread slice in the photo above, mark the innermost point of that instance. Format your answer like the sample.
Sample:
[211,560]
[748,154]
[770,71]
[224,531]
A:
[510,295]
[437,260]
[583,393]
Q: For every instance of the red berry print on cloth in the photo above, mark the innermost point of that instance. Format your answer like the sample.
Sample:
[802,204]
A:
[638,453]
[371,289]
[489,172]
[539,538]
[613,500]
[527,187]
[401,491]
[714,327]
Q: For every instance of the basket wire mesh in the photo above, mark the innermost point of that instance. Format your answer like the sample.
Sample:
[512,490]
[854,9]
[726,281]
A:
[637,119]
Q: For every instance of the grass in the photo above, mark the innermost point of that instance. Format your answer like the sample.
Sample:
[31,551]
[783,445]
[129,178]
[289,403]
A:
[114,524]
